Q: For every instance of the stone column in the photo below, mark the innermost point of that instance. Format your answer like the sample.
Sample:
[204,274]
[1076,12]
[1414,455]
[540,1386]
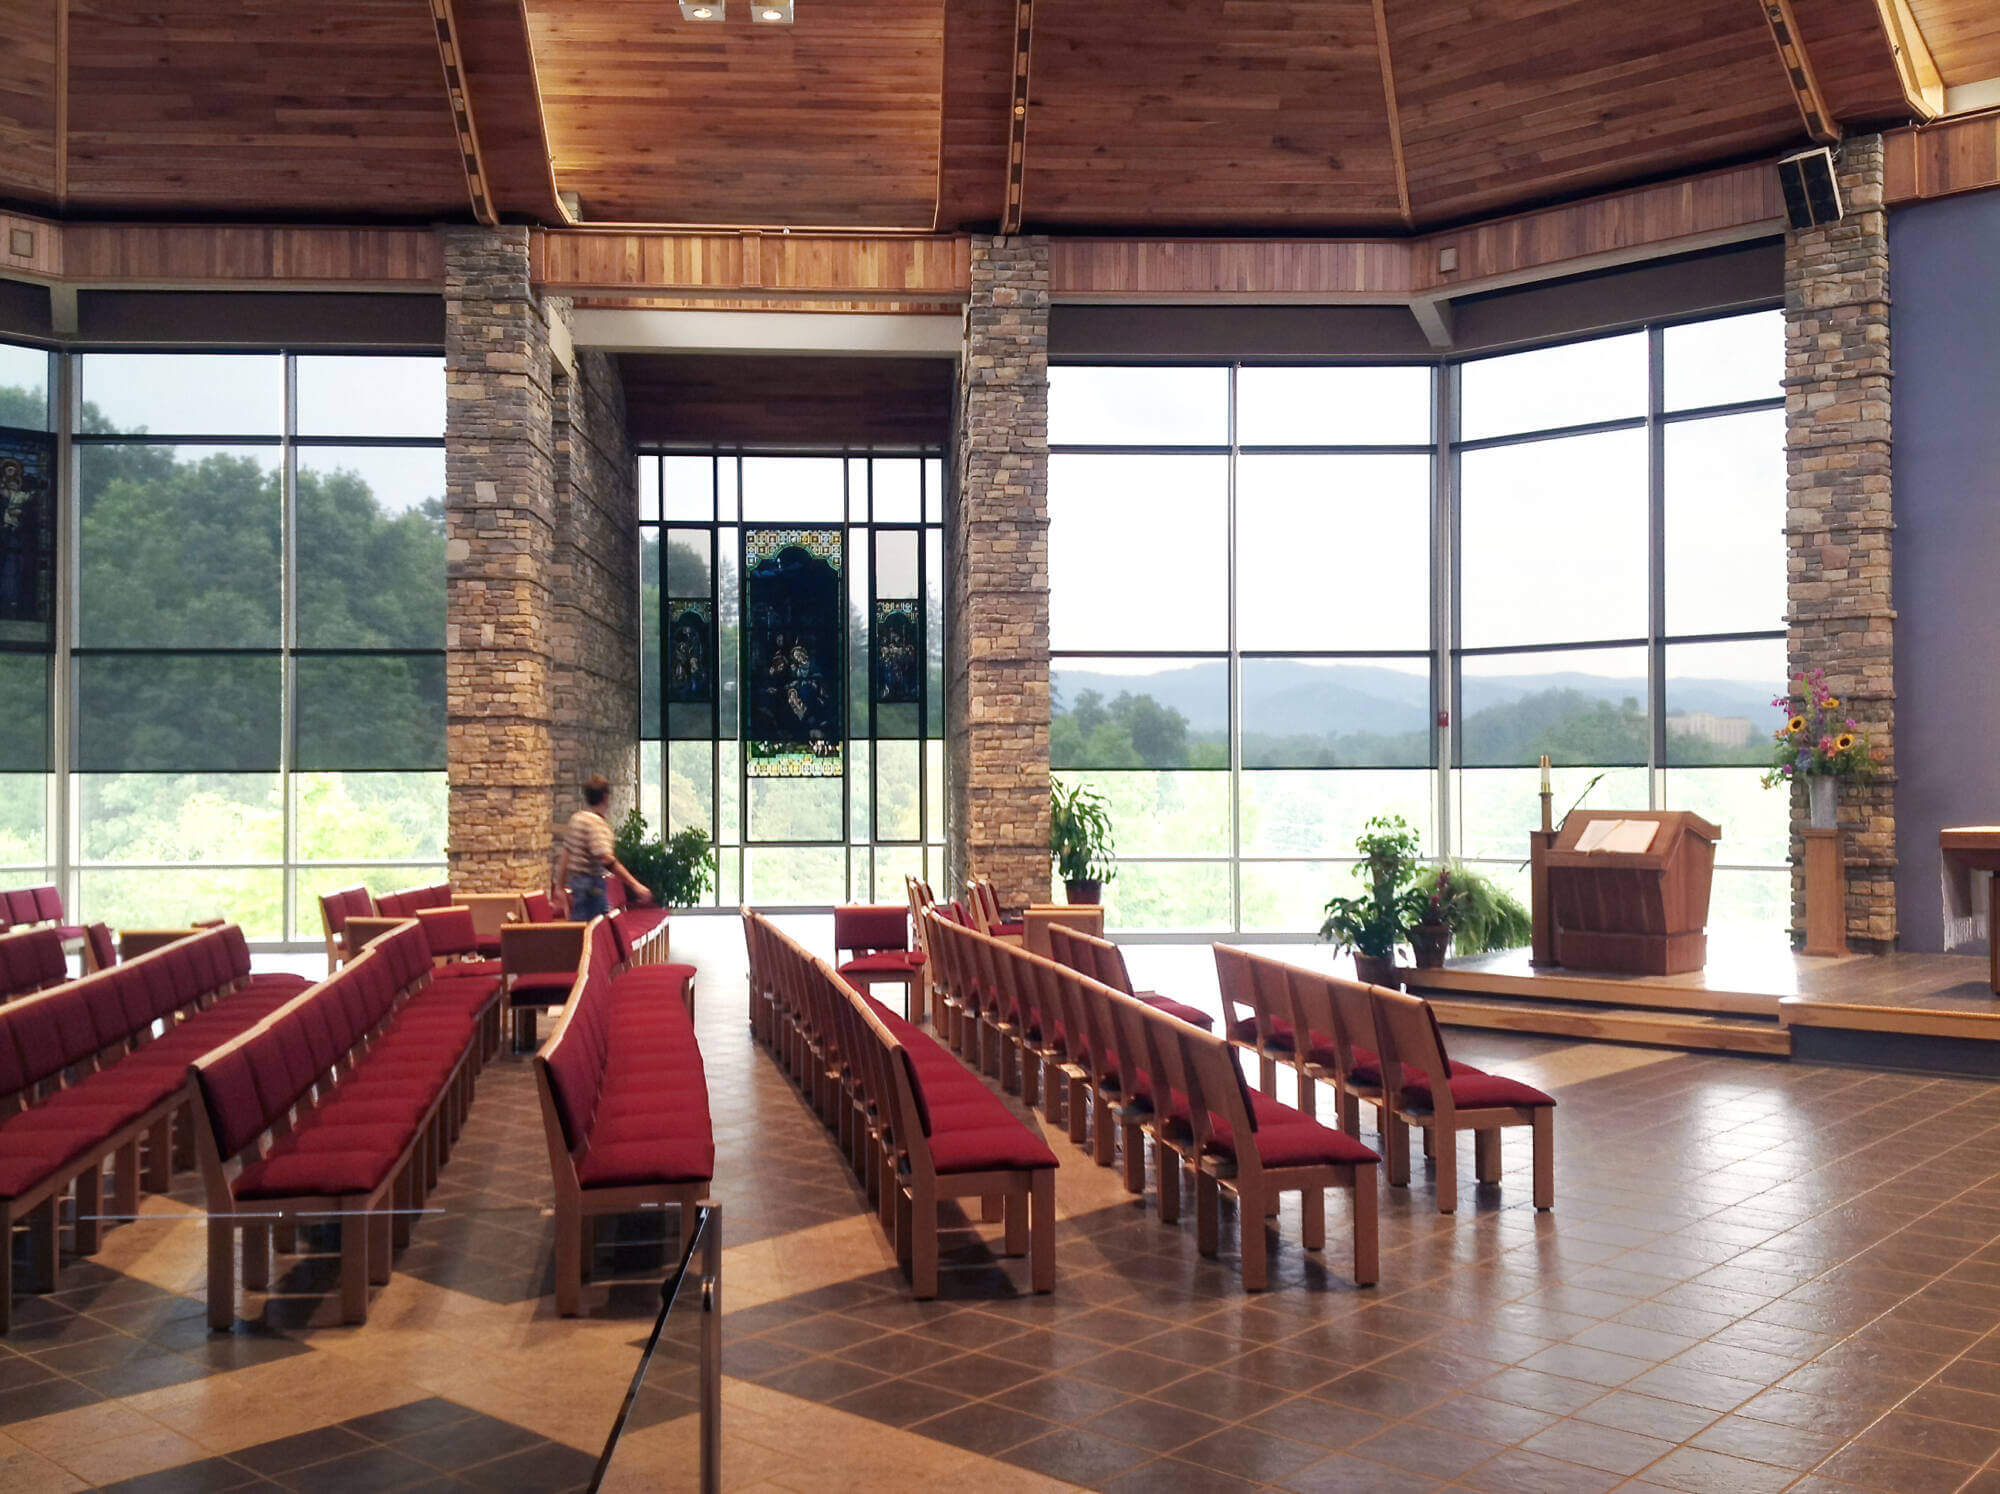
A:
[1839,521]
[594,579]
[997,692]
[500,533]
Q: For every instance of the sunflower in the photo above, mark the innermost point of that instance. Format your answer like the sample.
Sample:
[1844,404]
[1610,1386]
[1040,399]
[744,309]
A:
[1832,704]
[1794,726]
[1844,741]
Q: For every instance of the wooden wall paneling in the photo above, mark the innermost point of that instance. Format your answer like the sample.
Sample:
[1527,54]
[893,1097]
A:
[135,254]
[1519,100]
[978,77]
[30,247]
[495,51]
[1938,160]
[263,107]
[787,400]
[1085,269]
[830,121]
[1964,37]
[29,102]
[1265,115]
[837,266]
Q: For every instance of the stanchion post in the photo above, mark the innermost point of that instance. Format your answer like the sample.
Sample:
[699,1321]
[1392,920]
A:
[711,1353]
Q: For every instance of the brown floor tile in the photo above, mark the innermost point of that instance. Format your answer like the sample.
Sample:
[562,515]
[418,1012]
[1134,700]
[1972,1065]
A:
[983,1428]
[1077,1456]
[1518,1471]
[1417,1448]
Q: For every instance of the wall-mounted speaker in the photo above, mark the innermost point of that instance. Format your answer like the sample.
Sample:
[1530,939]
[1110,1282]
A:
[1812,193]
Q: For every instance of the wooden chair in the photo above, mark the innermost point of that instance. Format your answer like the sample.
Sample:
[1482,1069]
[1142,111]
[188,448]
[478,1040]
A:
[985,906]
[539,965]
[1104,962]
[871,945]
[1420,1089]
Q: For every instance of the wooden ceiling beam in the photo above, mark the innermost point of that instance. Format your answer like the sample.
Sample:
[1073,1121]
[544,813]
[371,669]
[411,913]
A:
[1017,117]
[1923,84]
[460,101]
[1797,63]
[497,68]
[1395,116]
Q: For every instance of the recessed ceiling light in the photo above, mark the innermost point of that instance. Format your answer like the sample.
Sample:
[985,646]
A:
[772,12]
[701,10]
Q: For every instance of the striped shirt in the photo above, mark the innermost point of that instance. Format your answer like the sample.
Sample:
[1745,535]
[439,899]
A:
[587,842]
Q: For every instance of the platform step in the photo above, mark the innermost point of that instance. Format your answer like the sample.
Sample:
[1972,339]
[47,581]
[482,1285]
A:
[1615,1025]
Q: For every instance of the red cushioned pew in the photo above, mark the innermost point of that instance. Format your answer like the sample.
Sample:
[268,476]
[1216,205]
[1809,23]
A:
[96,1069]
[340,1105]
[31,960]
[624,1100]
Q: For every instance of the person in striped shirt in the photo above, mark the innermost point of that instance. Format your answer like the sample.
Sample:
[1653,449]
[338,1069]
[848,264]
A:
[587,857]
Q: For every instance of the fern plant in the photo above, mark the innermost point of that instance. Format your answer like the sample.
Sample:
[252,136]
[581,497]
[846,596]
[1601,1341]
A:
[678,871]
[1481,915]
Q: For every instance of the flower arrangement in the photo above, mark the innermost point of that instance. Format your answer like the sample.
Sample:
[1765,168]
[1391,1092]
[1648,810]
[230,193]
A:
[1819,739]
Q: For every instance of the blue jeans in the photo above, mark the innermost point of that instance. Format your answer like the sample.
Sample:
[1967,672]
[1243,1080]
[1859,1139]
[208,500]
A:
[586,899]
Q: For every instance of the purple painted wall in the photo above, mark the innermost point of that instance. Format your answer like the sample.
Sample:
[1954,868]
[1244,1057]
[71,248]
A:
[1946,338]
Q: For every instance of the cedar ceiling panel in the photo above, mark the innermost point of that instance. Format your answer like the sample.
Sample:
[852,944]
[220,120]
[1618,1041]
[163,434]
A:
[831,121]
[27,100]
[978,88]
[267,106]
[1510,102]
[499,67]
[1964,37]
[1853,59]
[1238,114]
[786,401]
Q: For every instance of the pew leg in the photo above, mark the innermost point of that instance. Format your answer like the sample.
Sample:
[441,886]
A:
[1042,1229]
[380,1233]
[1031,1075]
[1052,1091]
[1134,1142]
[569,1259]
[1312,1213]
[45,1244]
[1367,1235]
[1075,1104]
[6,1269]
[400,1194]
[896,1219]
[992,1208]
[160,1157]
[1308,1095]
[587,1245]
[256,1257]
[1168,1162]
[125,1200]
[1208,1214]
[1103,1136]
[1256,1244]
[1350,1113]
[1545,1158]
[1267,1074]
[182,1150]
[221,1272]
[285,1237]
[1486,1155]
[1016,1207]
[1397,1144]
[354,1233]
[89,1208]
[923,1240]
[1445,1143]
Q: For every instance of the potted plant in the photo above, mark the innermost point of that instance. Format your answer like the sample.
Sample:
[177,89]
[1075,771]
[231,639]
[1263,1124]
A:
[1371,925]
[1457,907]
[1819,743]
[1080,840]
[678,870]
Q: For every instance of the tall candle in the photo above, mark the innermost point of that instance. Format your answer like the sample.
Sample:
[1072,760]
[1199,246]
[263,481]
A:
[1545,773]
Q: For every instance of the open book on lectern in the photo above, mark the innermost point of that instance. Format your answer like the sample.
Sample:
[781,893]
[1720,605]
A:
[1628,836]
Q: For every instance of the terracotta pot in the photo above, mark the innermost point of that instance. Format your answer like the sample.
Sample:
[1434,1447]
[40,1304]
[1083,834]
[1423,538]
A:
[1087,893]
[1375,970]
[1430,941]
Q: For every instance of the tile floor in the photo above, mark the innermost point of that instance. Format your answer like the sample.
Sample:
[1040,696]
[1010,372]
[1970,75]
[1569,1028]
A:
[1759,1276]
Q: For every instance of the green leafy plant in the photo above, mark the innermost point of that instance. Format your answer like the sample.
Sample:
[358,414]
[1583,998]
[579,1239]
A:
[678,870]
[1080,836]
[1480,914]
[1373,922]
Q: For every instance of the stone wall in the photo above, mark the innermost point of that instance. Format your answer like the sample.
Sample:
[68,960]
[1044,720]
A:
[997,688]
[1839,523]
[594,582]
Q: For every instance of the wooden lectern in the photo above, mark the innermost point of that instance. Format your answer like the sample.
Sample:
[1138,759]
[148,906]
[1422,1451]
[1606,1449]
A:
[1636,911]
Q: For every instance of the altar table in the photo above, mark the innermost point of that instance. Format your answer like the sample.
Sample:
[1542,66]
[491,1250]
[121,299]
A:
[1971,855]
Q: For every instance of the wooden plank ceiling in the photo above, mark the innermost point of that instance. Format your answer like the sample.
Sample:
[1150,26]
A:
[1247,116]
[789,401]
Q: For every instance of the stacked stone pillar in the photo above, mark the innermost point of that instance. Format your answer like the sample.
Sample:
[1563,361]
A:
[1839,519]
[998,686]
[500,536]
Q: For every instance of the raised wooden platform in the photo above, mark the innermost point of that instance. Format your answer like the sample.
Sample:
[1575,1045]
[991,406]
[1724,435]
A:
[1755,996]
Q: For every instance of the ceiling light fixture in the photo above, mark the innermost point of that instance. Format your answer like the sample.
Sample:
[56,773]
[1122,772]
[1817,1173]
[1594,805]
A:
[711,10]
[771,12]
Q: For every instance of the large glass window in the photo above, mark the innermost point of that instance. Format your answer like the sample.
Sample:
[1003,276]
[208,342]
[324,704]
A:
[258,646]
[808,837]
[30,493]
[1279,606]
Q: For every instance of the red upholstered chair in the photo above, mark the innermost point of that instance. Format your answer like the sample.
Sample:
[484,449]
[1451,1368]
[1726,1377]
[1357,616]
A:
[540,906]
[872,943]
[454,940]
[100,949]
[49,909]
[21,909]
[539,966]
[1423,1088]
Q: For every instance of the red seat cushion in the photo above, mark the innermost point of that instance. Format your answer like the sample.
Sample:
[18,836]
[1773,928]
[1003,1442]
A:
[1476,1091]
[1301,1143]
[24,1166]
[885,962]
[315,1174]
[990,1148]
[1245,1031]
[1016,929]
[618,1164]
[1194,1016]
[1368,1067]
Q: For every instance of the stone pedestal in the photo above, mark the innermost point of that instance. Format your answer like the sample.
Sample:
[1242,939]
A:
[997,536]
[1839,519]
